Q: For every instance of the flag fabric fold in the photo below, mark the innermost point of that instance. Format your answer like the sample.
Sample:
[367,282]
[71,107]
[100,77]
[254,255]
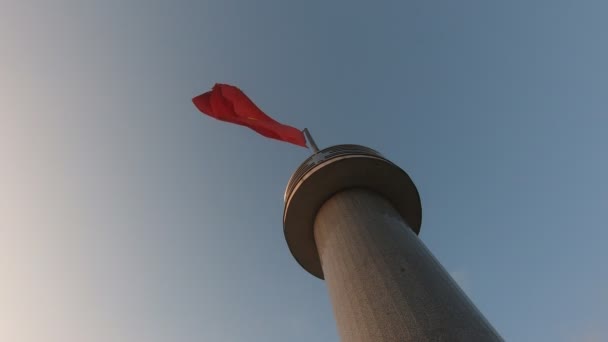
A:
[228,103]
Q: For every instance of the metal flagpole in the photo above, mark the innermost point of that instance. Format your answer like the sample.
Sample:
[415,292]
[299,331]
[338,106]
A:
[311,141]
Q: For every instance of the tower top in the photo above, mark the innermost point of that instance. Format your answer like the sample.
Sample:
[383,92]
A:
[334,169]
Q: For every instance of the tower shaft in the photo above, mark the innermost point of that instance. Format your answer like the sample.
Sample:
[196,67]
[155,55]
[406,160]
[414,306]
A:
[384,283]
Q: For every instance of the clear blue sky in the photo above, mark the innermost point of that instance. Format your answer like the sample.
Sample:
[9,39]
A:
[125,215]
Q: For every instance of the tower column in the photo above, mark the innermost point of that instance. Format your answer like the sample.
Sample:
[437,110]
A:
[384,283]
[352,217]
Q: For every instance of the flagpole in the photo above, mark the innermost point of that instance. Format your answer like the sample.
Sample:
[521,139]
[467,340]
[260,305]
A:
[311,141]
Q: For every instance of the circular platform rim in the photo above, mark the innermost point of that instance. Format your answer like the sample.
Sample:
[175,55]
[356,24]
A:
[329,177]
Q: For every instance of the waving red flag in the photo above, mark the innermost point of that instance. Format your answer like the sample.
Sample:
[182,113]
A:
[228,103]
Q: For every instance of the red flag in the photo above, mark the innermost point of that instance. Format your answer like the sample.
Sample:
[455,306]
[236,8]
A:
[229,103]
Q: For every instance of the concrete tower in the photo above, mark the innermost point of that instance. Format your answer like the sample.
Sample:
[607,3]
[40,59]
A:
[352,218]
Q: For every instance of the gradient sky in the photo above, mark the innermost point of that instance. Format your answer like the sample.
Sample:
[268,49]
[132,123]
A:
[125,215]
